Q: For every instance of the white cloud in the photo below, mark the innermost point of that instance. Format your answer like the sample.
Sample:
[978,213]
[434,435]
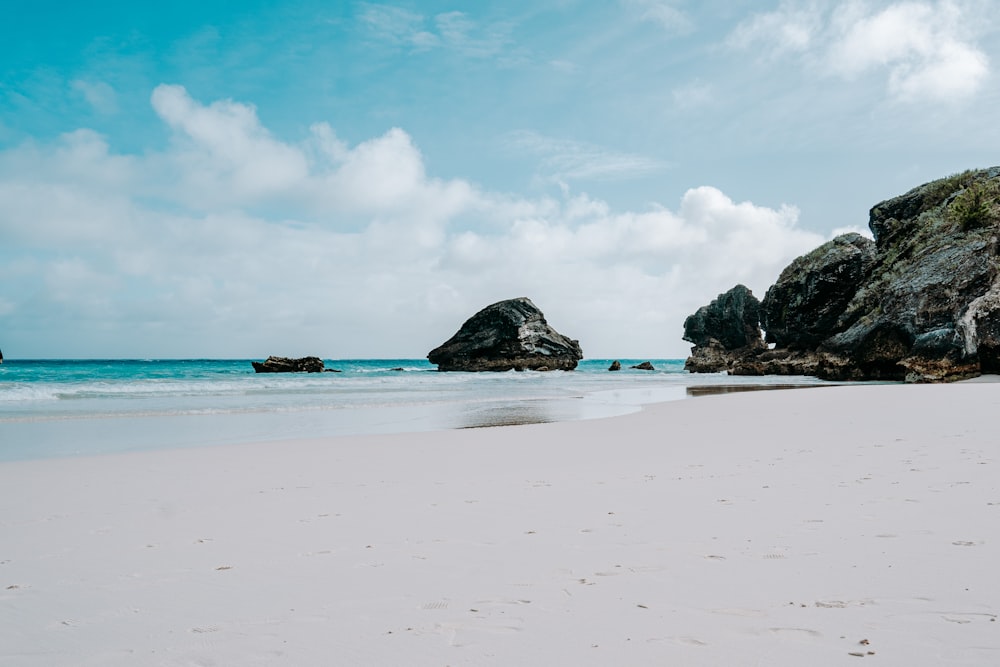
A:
[223,156]
[452,30]
[396,25]
[789,29]
[663,13]
[923,46]
[563,160]
[224,149]
[195,264]
[692,95]
[98,94]
[926,50]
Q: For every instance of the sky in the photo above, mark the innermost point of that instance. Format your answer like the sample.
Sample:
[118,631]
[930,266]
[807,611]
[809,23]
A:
[356,179]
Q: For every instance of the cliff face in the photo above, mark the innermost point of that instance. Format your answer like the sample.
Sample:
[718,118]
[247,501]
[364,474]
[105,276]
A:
[919,313]
[921,303]
[805,305]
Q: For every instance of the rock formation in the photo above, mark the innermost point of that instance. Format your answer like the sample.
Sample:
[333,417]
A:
[921,303]
[615,365]
[930,291]
[724,331]
[644,366]
[286,365]
[804,307]
[508,335]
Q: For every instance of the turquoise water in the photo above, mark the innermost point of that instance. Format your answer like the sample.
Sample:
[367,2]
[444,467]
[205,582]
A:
[79,407]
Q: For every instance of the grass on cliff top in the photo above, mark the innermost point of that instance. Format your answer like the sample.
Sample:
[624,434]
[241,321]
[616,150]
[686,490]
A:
[977,206]
[938,191]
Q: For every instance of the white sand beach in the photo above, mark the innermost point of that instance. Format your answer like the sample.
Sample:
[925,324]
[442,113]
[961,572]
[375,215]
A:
[803,527]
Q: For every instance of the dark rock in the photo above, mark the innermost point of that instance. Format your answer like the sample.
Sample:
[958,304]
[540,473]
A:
[917,316]
[615,365]
[509,335]
[644,366]
[709,358]
[732,319]
[286,365]
[332,370]
[980,325]
[921,304]
[804,307]
[776,362]
[724,331]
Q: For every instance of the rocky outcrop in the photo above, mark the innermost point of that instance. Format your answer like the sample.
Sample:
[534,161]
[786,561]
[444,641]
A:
[920,303]
[724,332]
[286,365]
[805,305]
[615,365]
[644,366]
[509,335]
[927,306]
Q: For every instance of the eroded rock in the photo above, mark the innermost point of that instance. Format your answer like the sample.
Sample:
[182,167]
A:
[508,335]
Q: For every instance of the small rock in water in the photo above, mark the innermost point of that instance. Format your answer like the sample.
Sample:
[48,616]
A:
[287,365]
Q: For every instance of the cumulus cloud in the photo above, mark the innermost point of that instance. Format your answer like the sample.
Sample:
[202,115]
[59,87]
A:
[926,50]
[231,242]
[222,156]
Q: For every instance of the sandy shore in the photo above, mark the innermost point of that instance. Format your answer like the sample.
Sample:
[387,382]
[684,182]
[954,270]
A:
[816,527]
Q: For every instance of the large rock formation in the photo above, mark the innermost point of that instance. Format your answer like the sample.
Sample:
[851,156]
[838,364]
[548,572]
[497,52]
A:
[724,332]
[286,365]
[804,307]
[931,288]
[921,303]
[509,335]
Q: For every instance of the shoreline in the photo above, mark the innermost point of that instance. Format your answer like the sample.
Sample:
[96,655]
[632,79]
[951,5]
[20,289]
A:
[779,528]
[113,413]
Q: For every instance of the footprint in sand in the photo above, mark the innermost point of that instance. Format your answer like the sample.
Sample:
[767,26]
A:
[205,630]
[440,604]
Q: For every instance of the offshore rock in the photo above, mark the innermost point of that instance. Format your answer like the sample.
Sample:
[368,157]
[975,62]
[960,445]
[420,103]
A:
[724,332]
[644,366]
[286,365]
[508,335]
[615,365]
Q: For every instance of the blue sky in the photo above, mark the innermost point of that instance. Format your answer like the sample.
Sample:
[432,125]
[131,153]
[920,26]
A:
[355,179]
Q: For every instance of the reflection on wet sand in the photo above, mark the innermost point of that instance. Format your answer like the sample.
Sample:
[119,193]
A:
[711,390]
[545,411]
[508,415]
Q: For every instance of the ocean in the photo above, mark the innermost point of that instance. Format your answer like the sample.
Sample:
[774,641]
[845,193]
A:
[55,408]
